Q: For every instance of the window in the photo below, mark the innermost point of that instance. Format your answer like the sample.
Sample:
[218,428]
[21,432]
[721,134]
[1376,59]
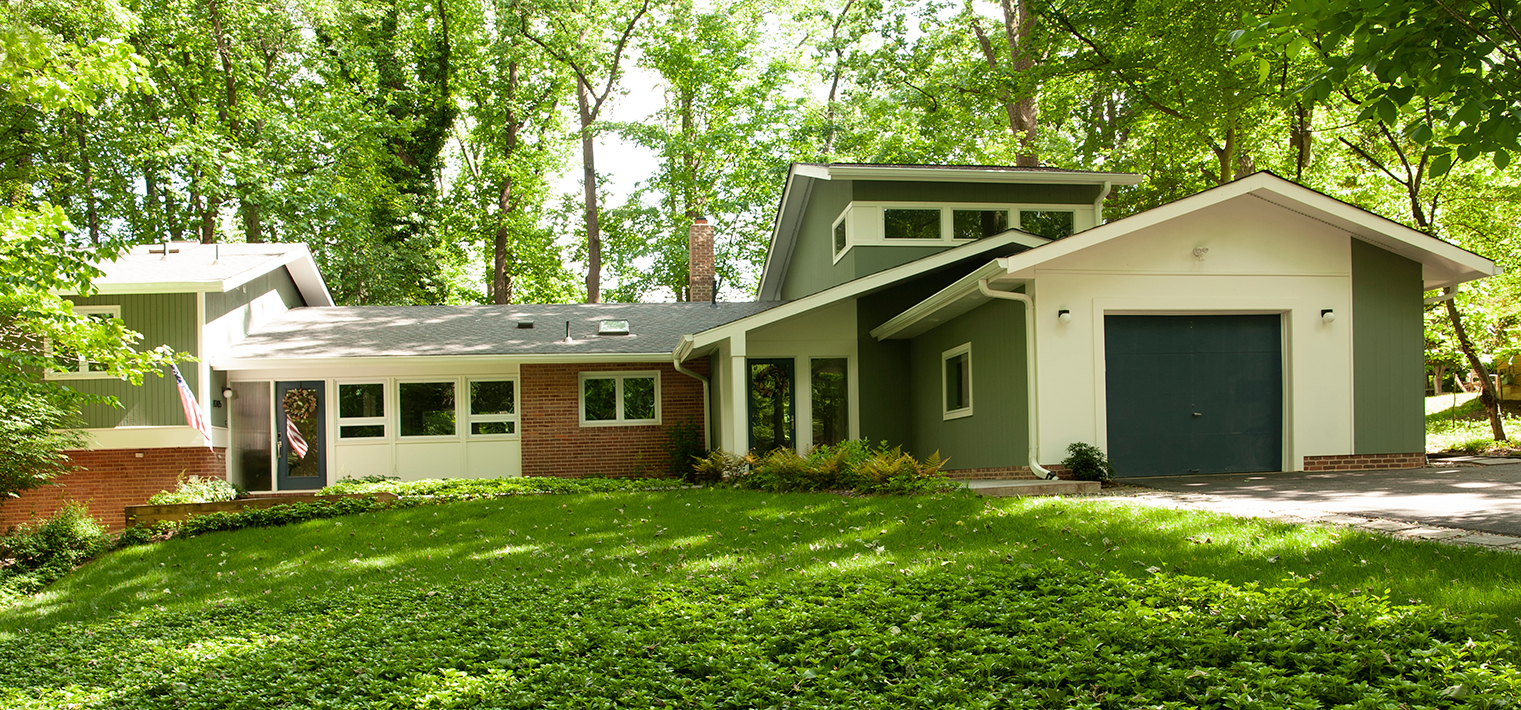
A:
[831,403]
[910,224]
[613,398]
[839,234]
[427,408]
[1046,223]
[72,365]
[362,411]
[493,407]
[956,382]
[978,224]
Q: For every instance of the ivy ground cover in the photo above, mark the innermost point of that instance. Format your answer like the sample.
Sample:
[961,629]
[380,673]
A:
[715,598]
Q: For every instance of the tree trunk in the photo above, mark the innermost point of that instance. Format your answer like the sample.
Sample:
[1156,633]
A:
[1437,373]
[1487,395]
[1018,22]
[501,282]
[589,177]
[91,215]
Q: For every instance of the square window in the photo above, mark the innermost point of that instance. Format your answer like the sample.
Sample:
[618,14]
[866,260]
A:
[1046,223]
[978,224]
[613,398]
[910,224]
[70,364]
[493,407]
[427,408]
[956,383]
[358,401]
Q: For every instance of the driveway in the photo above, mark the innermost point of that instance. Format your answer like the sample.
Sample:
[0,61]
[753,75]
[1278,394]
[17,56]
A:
[1483,498]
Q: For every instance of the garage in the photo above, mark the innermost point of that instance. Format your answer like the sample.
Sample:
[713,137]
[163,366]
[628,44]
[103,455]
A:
[1190,394]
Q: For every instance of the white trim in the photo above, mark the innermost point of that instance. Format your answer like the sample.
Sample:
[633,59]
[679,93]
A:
[272,364]
[618,376]
[471,418]
[842,220]
[945,357]
[932,173]
[153,437]
[384,421]
[83,373]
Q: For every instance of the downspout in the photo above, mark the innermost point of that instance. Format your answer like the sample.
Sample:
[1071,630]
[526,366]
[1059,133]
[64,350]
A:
[1098,204]
[1030,396]
[681,352]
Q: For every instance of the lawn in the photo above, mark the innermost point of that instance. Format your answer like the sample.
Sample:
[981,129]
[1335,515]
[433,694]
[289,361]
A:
[723,598]
[1457,422]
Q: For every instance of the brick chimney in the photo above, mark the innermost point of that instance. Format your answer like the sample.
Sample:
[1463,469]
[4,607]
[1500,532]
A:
[700,261]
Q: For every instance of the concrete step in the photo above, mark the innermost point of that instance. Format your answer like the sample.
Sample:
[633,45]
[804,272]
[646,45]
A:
[1019,488]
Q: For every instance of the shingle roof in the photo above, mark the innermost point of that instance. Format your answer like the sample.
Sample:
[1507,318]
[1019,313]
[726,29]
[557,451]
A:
[192,267]
[410,331]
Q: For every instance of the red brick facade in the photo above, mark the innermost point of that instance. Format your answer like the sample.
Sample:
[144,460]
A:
[111,479]
[1364,462]
[1002,473]
[555,443]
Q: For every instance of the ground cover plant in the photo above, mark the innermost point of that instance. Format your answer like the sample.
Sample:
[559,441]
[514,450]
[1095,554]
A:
[35,554]
[198,490]
[1458,423]
[472,488]
[732,598]
[854,465]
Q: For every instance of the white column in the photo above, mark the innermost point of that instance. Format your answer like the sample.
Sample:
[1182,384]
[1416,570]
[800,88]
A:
[737,434]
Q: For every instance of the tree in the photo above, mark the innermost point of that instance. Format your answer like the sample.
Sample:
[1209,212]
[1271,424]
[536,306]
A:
[589,38]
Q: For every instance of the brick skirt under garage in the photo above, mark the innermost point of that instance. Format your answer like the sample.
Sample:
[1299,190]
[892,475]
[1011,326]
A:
[1364,462]
[109,480]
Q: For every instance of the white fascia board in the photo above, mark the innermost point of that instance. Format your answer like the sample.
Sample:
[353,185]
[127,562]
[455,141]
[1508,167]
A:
[153,437]
[871,282]
[138,288]
[959,297]
[303,270]
[788,214]
[234,364]
[937,174]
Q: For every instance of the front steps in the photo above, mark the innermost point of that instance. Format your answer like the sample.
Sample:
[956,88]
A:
[1020,488]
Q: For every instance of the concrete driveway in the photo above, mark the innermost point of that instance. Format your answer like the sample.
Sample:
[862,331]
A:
[1483,498]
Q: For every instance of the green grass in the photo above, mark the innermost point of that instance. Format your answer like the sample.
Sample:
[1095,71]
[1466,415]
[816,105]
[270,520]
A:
[1458,423]
[255,589]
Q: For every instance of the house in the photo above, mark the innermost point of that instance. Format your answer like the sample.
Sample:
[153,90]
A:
[987,313]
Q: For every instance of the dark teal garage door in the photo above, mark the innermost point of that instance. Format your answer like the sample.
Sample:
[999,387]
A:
[1194,394]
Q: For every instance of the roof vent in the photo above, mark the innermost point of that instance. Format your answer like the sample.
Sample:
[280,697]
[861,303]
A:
[525,324]
[612,327]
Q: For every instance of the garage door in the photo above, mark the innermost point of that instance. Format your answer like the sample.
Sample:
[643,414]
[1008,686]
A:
[1194,394]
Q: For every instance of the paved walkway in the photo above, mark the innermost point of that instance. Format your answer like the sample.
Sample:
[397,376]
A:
[1471,503]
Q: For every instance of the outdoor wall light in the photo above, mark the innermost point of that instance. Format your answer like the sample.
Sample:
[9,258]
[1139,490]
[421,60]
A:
[1064,315]
[1327,316]
[226,393]
[1199,252]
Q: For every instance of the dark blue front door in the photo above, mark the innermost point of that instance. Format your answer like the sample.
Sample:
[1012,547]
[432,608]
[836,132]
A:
[1194,394]
[301,460]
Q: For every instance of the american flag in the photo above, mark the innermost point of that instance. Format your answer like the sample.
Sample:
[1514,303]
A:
[297,444]
[193,415]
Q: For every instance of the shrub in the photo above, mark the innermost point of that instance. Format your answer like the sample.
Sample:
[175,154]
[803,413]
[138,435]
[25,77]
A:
[472,488]
[850,465]
[684,448]
[1087,463]
[36,426]
[718,466]
[198,490]
[34,555]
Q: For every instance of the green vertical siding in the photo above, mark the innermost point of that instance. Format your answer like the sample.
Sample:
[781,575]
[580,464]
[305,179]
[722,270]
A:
[162,319]
[1388,342]
[898,191]
[883,365]
[811,267]
[997,432]
[279,280]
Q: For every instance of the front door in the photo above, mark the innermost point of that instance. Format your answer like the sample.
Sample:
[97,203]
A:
[300,435]
[772,423]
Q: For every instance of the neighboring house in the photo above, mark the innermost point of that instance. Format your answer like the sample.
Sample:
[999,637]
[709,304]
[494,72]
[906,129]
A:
[987,313]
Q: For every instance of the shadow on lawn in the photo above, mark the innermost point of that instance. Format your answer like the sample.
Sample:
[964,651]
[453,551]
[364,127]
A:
[641,540]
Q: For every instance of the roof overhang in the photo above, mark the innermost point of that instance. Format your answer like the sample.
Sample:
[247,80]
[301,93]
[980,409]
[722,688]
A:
[1442,264]
[700,342]
[297,260]
[339,362]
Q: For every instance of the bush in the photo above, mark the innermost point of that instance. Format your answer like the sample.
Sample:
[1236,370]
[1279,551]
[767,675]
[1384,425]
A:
[684,448]
[36,426]
[1087,463]
[472,488]
[198,490]
[35,555]
[718,466]
[850,465]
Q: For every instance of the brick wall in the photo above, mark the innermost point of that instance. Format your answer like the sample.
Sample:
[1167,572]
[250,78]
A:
[1365,462]
[555,443]
[700,261]
[109,480]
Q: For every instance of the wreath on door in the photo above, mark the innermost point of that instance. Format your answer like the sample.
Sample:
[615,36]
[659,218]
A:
[300,404]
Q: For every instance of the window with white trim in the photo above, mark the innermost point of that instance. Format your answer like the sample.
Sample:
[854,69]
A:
[1051,224]
[618,398]
[956,381]
[361,410]
[426,408]
[493,407]
[71,365]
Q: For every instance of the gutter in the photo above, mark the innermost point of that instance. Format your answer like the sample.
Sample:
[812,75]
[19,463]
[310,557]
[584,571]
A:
[1030,396]
[683,349]
[1098,204]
